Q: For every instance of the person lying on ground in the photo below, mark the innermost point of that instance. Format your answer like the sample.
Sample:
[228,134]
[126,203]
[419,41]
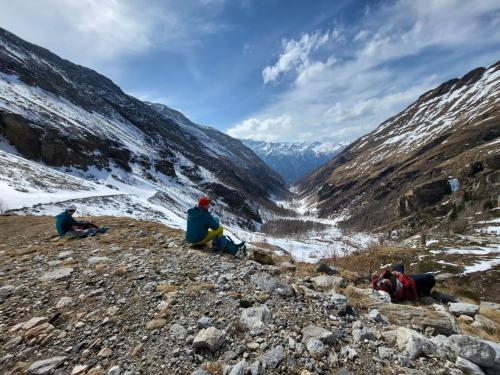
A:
[403,287]
[67,226]
[202,227]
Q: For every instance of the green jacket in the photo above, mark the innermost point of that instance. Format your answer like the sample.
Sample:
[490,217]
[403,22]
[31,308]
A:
[64,223]
[198,224]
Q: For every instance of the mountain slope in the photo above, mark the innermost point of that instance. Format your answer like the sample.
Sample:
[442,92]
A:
[293,160]
[69,117]
[438,158]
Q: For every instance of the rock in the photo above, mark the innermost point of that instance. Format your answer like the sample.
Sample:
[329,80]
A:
[45,366]
[112,310]
[420,316]
[199,371]
[115,370]
[467,367]
[262,256]
[255,318]
[287,266]
[256,368]
[78,370]
[315,332]
[385,353]
[6,291]
[325,268]
[474,350]
[343,371]
[490,305]
[466,319]
[96,260]
[444,276]
[34,322]
[375,315]
[327,282]
[483,323]
[63,302]
[458,309]
[414,343]
[272,358]
[270,283]
[155,324]
[105,352]
[362,334]
[339,301]
[178,331]
[495,369]
[348,352]
[57,274]
[241,368]
[316,348]
[204,322]
[41,329]
[210,338]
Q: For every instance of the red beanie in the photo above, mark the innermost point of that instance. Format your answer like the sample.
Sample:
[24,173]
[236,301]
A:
[203,201]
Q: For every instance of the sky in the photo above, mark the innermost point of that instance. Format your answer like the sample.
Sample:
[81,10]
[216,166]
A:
[274,70]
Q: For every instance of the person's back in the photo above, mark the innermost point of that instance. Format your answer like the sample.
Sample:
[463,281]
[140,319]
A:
[64,222]
[202,227]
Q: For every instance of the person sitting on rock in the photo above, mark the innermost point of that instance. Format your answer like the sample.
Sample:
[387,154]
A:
[67,226]
[403,287]
[202,227]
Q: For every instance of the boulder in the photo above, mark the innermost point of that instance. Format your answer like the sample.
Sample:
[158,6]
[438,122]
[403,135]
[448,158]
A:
[272,358]
[262,256]
[270,283]
[413,343]
[339,301]
[6,291]
[316,348]
[327,282]
[58,274]
[325,268]
[204,322]
[467,367]
[241,368]
[474,350]
[411,315]
[210,338]
[362,334]
[45,366]
[315,332]
[483,323]
[254,318]
[458,309]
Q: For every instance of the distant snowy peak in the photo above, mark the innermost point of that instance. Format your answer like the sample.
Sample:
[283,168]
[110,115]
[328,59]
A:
[294,159]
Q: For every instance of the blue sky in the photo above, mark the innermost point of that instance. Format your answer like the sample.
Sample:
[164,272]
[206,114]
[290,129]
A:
[273,70]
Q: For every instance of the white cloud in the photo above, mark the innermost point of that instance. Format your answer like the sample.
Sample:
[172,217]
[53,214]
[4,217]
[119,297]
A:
[90,32]
[268,129]
[331,97]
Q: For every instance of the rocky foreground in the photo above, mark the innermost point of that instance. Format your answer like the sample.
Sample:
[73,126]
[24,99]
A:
[138,300]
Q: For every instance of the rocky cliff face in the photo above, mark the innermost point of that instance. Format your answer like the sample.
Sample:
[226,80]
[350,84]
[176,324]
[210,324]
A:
[438,158]
[70,117]
[294,160]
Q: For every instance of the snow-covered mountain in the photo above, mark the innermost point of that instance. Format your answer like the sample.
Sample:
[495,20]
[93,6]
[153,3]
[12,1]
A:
[293,160]
[69,133]
[438,158]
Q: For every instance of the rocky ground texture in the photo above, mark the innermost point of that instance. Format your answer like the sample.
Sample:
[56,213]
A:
[138,300]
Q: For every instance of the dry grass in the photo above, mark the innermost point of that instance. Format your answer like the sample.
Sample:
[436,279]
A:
[194,289]
[357,299]
[213,368]
[166,288]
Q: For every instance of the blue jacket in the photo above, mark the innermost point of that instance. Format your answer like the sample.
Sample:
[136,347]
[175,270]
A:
[64,223]
[198,224]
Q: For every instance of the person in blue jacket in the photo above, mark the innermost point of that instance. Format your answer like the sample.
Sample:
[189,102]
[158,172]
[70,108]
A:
[202,227]
[66,225]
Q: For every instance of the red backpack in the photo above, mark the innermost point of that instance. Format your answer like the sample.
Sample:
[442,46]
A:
[398,285]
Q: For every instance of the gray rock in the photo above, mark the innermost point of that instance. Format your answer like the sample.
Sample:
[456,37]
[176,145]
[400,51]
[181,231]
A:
[325,268]
[343,371]
[458,309]
[468,367]
[241,368]
[348,352]
[496,364]
[45,366]
[316,348]
[385,353]
[490,305]
[339,301]
[63,302]
[95,260]
[199,371]
[414,343]
[270,283]
[474,350]
[444,276]
[256,368]
[315,332]
[115,370]
[485,324]
[210,338]
[204,322]
[376,316]
[327,282]
[420,316]
[58,274]
[255,318]
[272,358]
[6,291]
[362,334]
[178,331]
